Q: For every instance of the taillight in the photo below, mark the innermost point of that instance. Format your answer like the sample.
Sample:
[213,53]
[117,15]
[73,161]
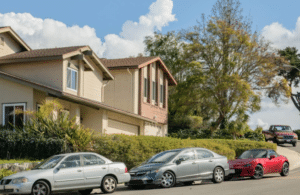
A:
[126,171]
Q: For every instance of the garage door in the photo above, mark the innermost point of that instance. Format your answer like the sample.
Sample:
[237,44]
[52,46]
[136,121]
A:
[120,127]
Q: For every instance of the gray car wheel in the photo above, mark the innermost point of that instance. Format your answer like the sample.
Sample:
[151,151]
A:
[167,180]
[285,169]
[40,188]
[109,184]
[259,172]
[218,176]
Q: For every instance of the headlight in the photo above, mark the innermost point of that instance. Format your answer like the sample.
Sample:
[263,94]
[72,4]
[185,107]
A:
[20,180]
[152,171]
[247,165]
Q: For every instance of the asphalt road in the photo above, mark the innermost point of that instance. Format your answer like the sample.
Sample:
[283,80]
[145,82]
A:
[291,147]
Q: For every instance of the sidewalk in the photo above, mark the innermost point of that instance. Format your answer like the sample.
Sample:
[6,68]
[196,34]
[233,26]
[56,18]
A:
[292,156]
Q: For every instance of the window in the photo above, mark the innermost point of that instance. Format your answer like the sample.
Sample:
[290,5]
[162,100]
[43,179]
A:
[161,93]
[145,87]
[187,155]
[90,159]
[14,114]
[71,161]
[154,90]
[204,154]
[72,79]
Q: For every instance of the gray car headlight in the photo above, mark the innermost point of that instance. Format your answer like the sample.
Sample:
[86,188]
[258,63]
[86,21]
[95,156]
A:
[20,180]
[152,171]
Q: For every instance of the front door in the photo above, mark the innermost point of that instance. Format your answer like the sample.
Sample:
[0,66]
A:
[70,175]
[187,169]
[94,169]
[272,165]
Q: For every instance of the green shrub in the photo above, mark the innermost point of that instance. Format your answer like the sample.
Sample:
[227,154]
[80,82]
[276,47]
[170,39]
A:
[298,133]
[5,172]
[5,161]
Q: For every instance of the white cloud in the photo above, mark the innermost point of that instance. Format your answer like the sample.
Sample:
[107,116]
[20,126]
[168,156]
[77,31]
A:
[282,37]
[46,33]
[262,124]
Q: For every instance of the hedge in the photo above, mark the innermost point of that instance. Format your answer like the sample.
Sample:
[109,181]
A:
[5,172]
[133,150]
[17,145]
[298,133]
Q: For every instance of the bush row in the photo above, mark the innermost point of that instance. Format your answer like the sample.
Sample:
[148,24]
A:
[298,133]
[16,145]
[133,150]
[5,172]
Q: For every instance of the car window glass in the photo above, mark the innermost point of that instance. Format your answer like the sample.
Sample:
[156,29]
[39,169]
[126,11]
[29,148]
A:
[272,152]
[90,159]
[187,155]
[71,161]
[204,154]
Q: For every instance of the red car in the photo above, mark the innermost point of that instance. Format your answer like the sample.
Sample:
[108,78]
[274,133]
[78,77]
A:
[258,162]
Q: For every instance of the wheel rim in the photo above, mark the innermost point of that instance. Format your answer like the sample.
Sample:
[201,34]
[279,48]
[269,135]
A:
[110,184]
[219,174]
[167,180]
[39,189]
[285,168]
[258,172]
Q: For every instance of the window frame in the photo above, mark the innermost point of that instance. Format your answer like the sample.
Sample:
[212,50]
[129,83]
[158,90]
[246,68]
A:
[93,164]
[65,158]
[210,153]
[146,87]
[76,84]
[14,105]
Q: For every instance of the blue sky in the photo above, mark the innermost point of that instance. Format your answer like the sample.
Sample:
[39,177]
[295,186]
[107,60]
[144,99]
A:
[115,29]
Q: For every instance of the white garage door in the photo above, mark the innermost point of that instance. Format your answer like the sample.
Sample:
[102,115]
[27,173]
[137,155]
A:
[119,127]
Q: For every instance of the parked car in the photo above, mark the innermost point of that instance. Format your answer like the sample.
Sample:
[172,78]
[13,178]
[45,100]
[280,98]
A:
[258,162]
[281,134]
[184,165]
[73,171]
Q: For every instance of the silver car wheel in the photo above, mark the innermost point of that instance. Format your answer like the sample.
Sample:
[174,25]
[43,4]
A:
[39,189]
[219,175]
[110,184]
[167,180]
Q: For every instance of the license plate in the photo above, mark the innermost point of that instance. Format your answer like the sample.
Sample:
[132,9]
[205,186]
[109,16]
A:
[288,140]
[232,171]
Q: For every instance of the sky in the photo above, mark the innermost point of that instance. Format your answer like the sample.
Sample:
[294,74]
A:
[116,29]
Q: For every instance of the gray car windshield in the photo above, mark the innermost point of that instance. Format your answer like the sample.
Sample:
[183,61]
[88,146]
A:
[253,154]
[282,128]
[163,157]
[49,163]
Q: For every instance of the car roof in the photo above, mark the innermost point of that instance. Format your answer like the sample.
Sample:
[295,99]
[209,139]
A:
[74,153]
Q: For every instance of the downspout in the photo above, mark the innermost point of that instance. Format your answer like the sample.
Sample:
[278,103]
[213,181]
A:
[132,89]
[103,90]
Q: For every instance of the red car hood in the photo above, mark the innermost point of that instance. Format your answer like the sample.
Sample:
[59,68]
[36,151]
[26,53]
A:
[284,133]
[240,162]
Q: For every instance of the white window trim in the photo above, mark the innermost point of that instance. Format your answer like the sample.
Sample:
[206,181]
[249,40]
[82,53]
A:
[71,79]
[13,104]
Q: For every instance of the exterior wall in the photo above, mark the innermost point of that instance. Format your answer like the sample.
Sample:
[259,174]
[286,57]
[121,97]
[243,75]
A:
[92,118]
[48,73]
[10,46]
[122,92]
[155,129]
[12,92]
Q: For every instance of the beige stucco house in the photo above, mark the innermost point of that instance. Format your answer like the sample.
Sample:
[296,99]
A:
[109,96]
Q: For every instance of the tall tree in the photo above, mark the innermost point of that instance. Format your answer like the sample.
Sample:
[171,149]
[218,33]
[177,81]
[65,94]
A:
[292,74]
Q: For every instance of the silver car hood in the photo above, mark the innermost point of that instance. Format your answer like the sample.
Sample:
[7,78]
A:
[147,167]
[27,174]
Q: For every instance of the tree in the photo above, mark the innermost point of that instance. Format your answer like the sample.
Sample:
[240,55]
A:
[291,75]
[238,65]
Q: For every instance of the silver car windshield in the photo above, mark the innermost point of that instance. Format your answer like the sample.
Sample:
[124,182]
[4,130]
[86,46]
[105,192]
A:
[49,163]
[253,154]
[282,128]
[163,157]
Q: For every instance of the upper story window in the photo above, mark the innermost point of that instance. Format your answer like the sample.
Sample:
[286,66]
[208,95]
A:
[154,93]
[13,114]
[146,83]
[72,79]
[162,93]
[154,83]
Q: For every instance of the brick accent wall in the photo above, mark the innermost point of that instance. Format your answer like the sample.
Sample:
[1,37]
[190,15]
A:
[150,111]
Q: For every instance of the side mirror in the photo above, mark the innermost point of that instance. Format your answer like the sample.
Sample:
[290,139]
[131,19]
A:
[236,157]
[272,156]
[178,162]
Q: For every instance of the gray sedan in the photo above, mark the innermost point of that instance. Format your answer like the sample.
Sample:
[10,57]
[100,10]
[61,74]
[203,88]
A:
[180,165]
[73,171]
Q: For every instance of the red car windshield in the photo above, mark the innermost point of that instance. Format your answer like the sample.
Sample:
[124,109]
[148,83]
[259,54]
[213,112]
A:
[253,154]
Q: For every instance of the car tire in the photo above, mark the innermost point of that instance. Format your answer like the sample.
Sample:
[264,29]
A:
[285,169]
[259,172]
[188,183]
[218,175]
[168,179]
[85,192]
[40,186]
[109,184]
[295,144]
[275,141]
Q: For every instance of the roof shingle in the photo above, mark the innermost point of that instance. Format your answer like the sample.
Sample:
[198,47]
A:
[125,62]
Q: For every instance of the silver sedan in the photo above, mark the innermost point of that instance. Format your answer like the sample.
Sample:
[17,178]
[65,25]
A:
[73,171]
[184,165]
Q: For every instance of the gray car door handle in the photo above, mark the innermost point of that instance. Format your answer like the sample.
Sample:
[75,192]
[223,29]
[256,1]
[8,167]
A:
[193,163]
[103,167]
[210,160]
[79,170]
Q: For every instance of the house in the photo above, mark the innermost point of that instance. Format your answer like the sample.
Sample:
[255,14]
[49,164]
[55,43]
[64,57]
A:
[99,93]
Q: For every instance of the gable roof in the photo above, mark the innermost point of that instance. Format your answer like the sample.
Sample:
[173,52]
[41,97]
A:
[70,97]
[15,36]
[138,62]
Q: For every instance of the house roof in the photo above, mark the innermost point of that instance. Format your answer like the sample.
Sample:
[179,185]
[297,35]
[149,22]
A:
[138,62]
[66,96]
[15,36]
